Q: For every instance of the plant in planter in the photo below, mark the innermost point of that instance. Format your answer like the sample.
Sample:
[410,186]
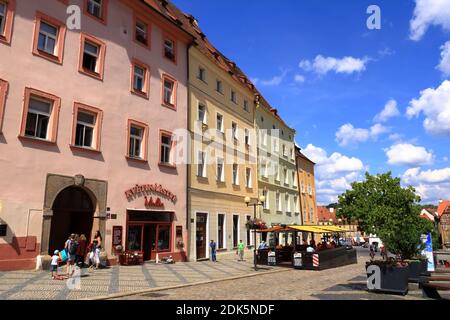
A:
[383,207]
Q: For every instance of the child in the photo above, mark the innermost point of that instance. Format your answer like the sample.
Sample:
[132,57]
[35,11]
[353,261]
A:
[54,265]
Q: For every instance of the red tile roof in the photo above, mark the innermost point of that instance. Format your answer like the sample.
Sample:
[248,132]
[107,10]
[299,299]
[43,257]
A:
[324,214]
[444,207]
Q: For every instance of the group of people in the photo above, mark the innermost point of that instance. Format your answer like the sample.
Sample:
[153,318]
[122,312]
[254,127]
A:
[239,252]
[76,252]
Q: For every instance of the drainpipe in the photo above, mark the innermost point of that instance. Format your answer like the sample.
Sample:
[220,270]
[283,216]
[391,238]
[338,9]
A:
[188,164]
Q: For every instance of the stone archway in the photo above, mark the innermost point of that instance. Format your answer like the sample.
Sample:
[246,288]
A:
[55,184]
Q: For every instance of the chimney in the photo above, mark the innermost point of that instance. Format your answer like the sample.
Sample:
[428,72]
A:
[440,201]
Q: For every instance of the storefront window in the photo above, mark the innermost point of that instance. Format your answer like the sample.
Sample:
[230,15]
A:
[163,238]
[134,238]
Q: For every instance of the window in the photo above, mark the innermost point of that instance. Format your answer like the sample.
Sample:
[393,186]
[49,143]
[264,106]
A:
[292,154]
[97,9]
[235,231]
[266,203]
[247,137]
[92,56]
[284,150]
[141,32]
[235,174]
[275,145]
[166,149]
[278,201]
[49,37]
[220,170]
[246,105]
[277,171]
[264,138]
[219,122]
[86,127]
[169,49]
[233,96]
[234,130]
[286,176]
[302,187]
[3,92]
[201,164]
[140,79]
[201,74]
[163,237]
[220,231]
[248,178]
[219,86]
[7,9]
[264,169]
[294,179]
[137,140]
[288,203]
[249,238]
[296,207]
[311,214]
[40,118]
[169,92]
[202,113]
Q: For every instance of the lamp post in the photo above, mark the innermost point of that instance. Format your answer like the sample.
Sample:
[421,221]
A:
[260,202]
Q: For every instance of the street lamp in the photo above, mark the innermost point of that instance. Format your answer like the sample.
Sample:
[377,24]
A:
[260,202]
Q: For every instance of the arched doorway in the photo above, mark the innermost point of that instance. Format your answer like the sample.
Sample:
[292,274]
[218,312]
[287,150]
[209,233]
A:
[73,212]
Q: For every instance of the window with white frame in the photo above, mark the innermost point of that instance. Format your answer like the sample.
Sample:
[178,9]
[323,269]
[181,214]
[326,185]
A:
[266,202]
[278,201]
[48,38]
[284,150]
[166,149]
[247,136]
[248,177]
[201,164]
[286,176]
[91,56]
[219,123]
[294,179]
[246,105]
[202,113]
[276,169]
[276,148]
[263,169]
[292,154]
[296,206]
[220,170]
[235,174]
[136,138]
[84,135]
[233,96]
[288,202]
[219,86]
[234,130]
[169,96]
[141,32]
[139,78]
[264,138]
[38,118]
[95,8]
[201,74]
[2,17]
[311,214]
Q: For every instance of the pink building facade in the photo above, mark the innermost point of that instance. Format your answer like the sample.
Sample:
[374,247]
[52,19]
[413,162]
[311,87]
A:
[86,128]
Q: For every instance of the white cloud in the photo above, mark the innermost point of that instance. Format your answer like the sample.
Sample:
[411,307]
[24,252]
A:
[390,110]
[349,135]
[322,65]
[408,155]
[299,78]
[275,81]
[435,104]
[395,137]
[429,12]
[334,173]
[431,185]
[444,65]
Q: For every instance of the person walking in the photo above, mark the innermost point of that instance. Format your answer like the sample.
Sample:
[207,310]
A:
[213,251]
[71,249]
[241,248]
[81,251]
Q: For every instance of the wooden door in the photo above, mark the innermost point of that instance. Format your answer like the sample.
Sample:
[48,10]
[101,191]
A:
[201,235]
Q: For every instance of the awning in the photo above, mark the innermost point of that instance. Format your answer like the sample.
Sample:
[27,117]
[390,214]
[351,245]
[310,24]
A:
[334,229]
[275,229]
[314,229]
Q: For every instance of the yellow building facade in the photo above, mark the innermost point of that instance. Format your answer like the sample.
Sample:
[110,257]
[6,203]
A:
[306,188]
[222,171]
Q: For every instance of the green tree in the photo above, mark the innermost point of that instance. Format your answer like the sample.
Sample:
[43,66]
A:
[381,206]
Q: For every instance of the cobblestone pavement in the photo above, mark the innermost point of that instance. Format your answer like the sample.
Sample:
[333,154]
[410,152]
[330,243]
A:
[37,285]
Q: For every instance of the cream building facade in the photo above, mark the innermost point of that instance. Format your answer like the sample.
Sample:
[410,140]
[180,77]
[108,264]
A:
[277,173]
[222,171]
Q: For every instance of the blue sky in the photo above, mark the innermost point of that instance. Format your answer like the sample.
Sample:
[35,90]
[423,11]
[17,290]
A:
[330,76]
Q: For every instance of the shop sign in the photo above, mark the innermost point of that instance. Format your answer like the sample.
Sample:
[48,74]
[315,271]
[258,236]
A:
[149,191]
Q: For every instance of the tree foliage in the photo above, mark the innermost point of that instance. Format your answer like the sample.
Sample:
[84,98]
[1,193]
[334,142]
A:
[381,206]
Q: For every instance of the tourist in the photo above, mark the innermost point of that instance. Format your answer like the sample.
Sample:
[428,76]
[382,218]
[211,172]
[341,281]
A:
[310,249]
[241,248]
[71,249]
[213,251]
[81,251]
[54,264]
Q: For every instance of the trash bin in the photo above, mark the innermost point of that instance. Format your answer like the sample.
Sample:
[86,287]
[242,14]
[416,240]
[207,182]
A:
[298,262]
[271,259]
